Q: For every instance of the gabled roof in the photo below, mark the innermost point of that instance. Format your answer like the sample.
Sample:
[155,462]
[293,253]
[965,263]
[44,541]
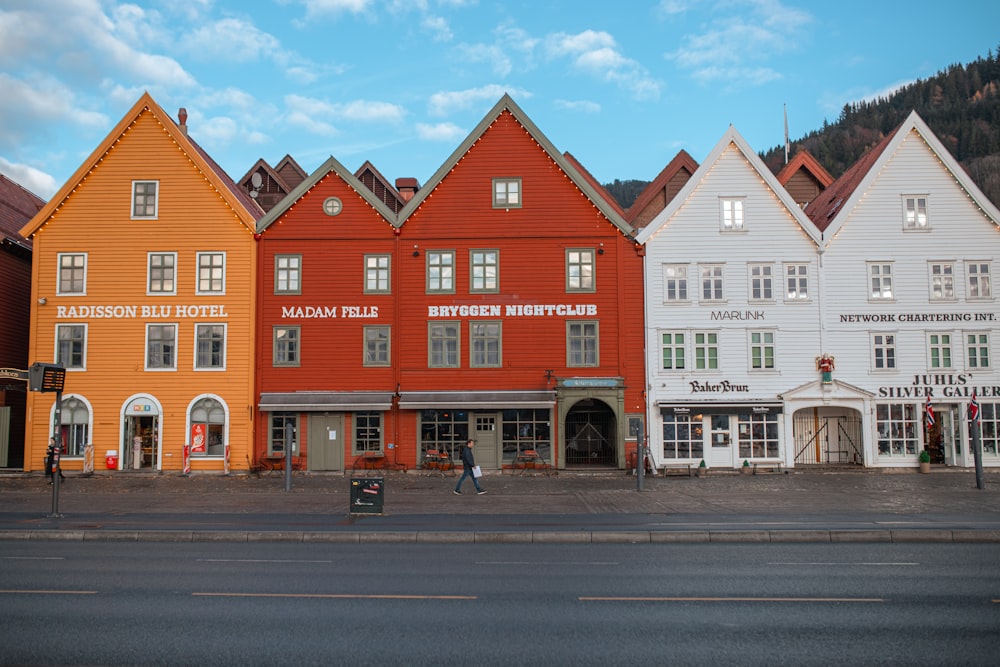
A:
[681,161]
[328,167]
[803,160]
[290,171]
[830,210]
[246,209]
[380,186]
[731,137]
[506,104]
[598,188]
[17,207]
[262,164]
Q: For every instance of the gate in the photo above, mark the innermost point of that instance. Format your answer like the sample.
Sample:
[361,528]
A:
[827,438]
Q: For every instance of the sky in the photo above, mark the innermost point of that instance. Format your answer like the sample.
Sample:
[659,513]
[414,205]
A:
[623,86]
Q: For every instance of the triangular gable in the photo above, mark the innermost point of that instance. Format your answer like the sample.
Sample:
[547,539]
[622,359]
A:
[731,137]
[244,208]
[830,212]
[803,160]
[261,164]
[17,207]
[330,166]
[817,390]
[290,172]
[682,162]
[373,179]
[507,104]
[598,188]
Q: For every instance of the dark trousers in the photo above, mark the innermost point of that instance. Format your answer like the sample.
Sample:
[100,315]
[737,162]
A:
[467,472]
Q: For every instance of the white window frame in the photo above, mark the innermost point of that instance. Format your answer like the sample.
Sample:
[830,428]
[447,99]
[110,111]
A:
[149,274]
[941,281]
[940,351]
[285,273]
[732,214]
[915,217]
[225,346]
[507,193]
[880,276]
[157,369]
[702,351]
[675,283]
[797,282]
[156,200]
[761,279]
[578,277]
[675,349]
[440,271]
[378,274]
[60,291]
[484,270]
[883,347]
[83,354]
[211,268]
[978,280]
[714,284]
[977,350]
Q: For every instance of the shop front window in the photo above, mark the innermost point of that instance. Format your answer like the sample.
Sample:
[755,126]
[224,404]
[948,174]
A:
[208,419]
[989,428]
[527,429]
[683,437]
[758,435]
[897,425]
[276,433]
[75,423]
[444,430]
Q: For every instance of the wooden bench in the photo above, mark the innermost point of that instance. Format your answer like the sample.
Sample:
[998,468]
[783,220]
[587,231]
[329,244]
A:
[768,466]
[680,467]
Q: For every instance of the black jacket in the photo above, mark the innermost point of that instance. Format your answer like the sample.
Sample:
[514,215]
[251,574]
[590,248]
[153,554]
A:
[467,460]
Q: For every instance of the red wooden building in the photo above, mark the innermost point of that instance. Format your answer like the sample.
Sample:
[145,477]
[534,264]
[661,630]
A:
[503,303]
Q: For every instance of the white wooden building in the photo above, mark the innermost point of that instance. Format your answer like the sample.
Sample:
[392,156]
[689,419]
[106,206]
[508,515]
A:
[732,314]
[910,245]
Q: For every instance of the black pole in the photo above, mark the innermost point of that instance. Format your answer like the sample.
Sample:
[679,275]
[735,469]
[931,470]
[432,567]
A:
[289,435]
[977,453]
[56,451]
[640,454]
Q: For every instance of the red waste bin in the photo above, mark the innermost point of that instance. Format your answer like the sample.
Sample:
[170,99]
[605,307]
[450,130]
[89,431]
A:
[111,459]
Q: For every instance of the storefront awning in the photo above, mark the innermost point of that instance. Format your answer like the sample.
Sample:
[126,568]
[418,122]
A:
[325,401]
[677,408]
[475,400]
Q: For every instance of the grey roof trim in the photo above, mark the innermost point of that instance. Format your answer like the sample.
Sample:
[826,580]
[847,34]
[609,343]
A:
[325,401]
[471,400]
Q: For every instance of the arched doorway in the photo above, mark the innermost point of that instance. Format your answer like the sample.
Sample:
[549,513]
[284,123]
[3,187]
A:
[591,435]
[828,435]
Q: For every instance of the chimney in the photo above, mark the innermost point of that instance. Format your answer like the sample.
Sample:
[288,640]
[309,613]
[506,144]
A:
[407,187]
[182,116]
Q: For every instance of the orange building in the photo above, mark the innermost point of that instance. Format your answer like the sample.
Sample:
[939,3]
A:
[143,288]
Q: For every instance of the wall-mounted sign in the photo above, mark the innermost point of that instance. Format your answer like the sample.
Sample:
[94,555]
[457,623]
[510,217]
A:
[888,318]
[515,310]
[121,312]
[328,312]
[590,382]
[716,387]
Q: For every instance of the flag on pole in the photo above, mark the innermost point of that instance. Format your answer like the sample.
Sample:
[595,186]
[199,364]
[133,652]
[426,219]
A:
[974,408]
[929,411]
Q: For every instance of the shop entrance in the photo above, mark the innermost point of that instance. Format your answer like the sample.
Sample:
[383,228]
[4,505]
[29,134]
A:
[944,439]
[326,444]
[590,435]
[487,450]
[141,446]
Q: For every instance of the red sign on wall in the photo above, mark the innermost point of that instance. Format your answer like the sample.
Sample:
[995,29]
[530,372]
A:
[198,438]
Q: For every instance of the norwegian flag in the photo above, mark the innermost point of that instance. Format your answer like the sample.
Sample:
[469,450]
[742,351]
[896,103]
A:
[929,411]
[974,409]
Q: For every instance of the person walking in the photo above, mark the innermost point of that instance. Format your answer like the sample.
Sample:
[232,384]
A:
[468,463]
[50,455]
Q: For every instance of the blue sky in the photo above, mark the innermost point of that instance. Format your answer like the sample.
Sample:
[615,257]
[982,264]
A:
[622,86]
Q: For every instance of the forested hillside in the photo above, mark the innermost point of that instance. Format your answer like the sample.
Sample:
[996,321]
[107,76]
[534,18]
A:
[961,104]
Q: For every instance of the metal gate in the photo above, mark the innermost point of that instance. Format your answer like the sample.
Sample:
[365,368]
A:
[590,429]
[830,438]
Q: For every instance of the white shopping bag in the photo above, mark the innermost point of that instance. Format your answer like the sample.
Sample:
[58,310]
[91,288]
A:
[477,471]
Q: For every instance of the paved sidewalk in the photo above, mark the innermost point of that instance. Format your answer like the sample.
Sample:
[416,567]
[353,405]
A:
[799,506]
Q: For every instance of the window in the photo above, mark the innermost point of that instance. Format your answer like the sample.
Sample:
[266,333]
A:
[210,415]
[989,428]
[979,280]
[880,278]
[706,350]
[884,349]
[675,282]
[288,274]
[732,215]
[144,199]
[485,269]
[757,435]
[444,430]
[210,343]
[442,345]
[72,273]
[441,271]
[761,282]
[211,272]
[506,193]
[367,432]
[978,348]
[71,346]
[485,344]
[797,281]
[914,212]
[160,273]
[711,282]
[580,270]
[276,437]
[939,346]
[942,281]
[376,346]
[377,274]
[682,437]
[287,349]
[897,425]
[527,428]
[161,347]
[582,344]
[75,426]
[672,346]
[762,350]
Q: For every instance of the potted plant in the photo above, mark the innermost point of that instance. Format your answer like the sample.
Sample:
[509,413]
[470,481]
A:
[746,467]
[925,461]
[702,469]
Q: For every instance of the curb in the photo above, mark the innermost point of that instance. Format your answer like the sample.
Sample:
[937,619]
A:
[513,537]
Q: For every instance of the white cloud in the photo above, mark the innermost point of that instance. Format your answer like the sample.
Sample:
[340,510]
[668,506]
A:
[442,104]
[437,27]
[317,8]
[31,179]
[440,132]
[229,39]
[363,110]
[24,105]
[584,106]
[492,54]
[597,54]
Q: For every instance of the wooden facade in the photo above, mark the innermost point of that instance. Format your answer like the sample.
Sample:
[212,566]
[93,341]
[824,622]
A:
[144,282]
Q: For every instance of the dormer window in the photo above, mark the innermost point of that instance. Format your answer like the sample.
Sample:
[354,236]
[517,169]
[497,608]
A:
[145,200]
[506,193]
[732,214]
